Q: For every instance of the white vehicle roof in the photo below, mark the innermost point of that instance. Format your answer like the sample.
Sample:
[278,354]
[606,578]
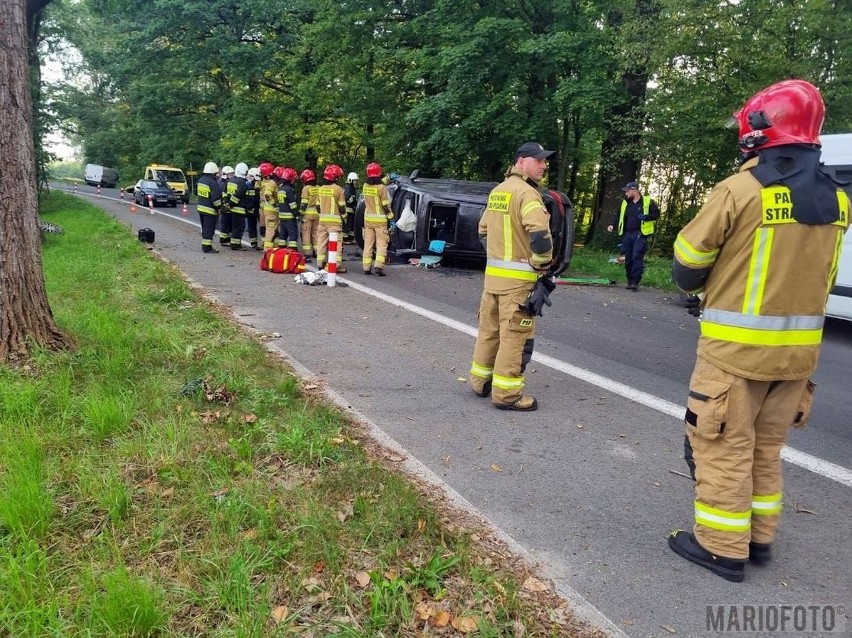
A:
[837,149]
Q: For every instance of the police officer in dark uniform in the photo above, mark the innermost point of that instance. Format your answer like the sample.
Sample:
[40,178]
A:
[636,222]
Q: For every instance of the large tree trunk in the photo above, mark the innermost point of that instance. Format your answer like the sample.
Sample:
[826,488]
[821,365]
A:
[25,316]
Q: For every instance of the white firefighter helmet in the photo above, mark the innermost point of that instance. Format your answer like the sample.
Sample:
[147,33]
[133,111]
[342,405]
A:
[254,172]
[210,168]
[352,177]
[241,169]
[227,170]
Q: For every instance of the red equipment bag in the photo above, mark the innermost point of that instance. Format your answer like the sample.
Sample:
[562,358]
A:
[282,260]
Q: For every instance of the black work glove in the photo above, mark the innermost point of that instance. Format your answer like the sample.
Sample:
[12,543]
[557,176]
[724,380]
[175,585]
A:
[539,297]
[693,305]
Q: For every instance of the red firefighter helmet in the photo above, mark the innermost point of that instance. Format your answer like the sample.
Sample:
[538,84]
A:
[265,169]
[374,170]
[288,174]
[788,112]
[278,171]
[308,176]
[332,172]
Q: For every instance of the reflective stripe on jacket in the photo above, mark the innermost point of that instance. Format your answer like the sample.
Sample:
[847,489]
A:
[331,202]
[377,210]
[209,195]
[646,227]
[514,215]
[769,277]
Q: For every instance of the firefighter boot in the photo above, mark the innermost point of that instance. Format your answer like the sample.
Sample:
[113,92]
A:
[760,553]
[485,391]
[525,404]
[208,249]
[380,272]
[686,545]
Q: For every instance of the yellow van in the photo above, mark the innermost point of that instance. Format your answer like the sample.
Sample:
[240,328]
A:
[172,176]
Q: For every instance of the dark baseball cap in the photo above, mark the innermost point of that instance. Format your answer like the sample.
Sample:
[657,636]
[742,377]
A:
[532,149]
[630,186]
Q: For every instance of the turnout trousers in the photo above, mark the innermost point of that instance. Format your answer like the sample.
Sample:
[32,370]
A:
[504,346]
[323,231]
[310,243]
[208,228]
[736,428]
[270,224]
[375,237]
[288,232]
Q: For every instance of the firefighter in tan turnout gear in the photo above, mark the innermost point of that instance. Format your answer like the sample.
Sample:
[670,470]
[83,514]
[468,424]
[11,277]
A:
[764,252]
[332,211]
[516,230]
[309,213]
[268,204]
[377,214]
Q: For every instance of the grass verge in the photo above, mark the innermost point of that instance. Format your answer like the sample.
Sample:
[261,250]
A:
[155,483]
[593,262]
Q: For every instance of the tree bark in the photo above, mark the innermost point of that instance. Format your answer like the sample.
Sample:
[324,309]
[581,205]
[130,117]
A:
[26,320]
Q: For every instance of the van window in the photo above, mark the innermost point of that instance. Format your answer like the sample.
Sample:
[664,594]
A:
[168,175]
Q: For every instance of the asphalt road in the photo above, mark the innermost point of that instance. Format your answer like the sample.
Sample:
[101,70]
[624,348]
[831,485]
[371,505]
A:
[591,484]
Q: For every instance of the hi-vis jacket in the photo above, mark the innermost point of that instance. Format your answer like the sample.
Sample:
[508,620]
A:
[287,206]
[209,195]
[309,201]
[331,204]
[377,211]
[647,226]
[236,193]
[268,196]
[769,277]
[516,229]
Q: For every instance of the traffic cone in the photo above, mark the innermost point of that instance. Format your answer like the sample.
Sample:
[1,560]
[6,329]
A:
[151,203]
[133,205]
[185,210]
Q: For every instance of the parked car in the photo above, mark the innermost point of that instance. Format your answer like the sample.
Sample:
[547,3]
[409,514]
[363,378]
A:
[448,213]
[158,190]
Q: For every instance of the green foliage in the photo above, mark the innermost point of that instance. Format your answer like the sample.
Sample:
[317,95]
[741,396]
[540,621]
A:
[26,505]
[620,88]
[126,606]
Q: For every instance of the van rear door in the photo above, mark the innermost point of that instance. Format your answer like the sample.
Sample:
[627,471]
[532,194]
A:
[837,154]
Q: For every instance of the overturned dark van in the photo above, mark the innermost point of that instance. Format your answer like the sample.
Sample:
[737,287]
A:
[446,215]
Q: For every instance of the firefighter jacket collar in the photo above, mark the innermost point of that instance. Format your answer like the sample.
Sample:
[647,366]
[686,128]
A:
[812,190]
[516,173]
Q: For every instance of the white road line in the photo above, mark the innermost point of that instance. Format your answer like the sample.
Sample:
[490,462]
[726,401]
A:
[819,466]
[826,469]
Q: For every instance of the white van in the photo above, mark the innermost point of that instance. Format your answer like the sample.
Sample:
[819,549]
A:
[96,175]
[837,153]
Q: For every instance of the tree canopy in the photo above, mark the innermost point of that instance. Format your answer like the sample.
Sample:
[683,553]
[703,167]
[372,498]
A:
[622,89]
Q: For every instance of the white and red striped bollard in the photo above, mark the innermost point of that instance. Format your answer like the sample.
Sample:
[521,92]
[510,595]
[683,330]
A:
[75,188]
[331,268]
[99,190]
[121,193]
[151,203]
